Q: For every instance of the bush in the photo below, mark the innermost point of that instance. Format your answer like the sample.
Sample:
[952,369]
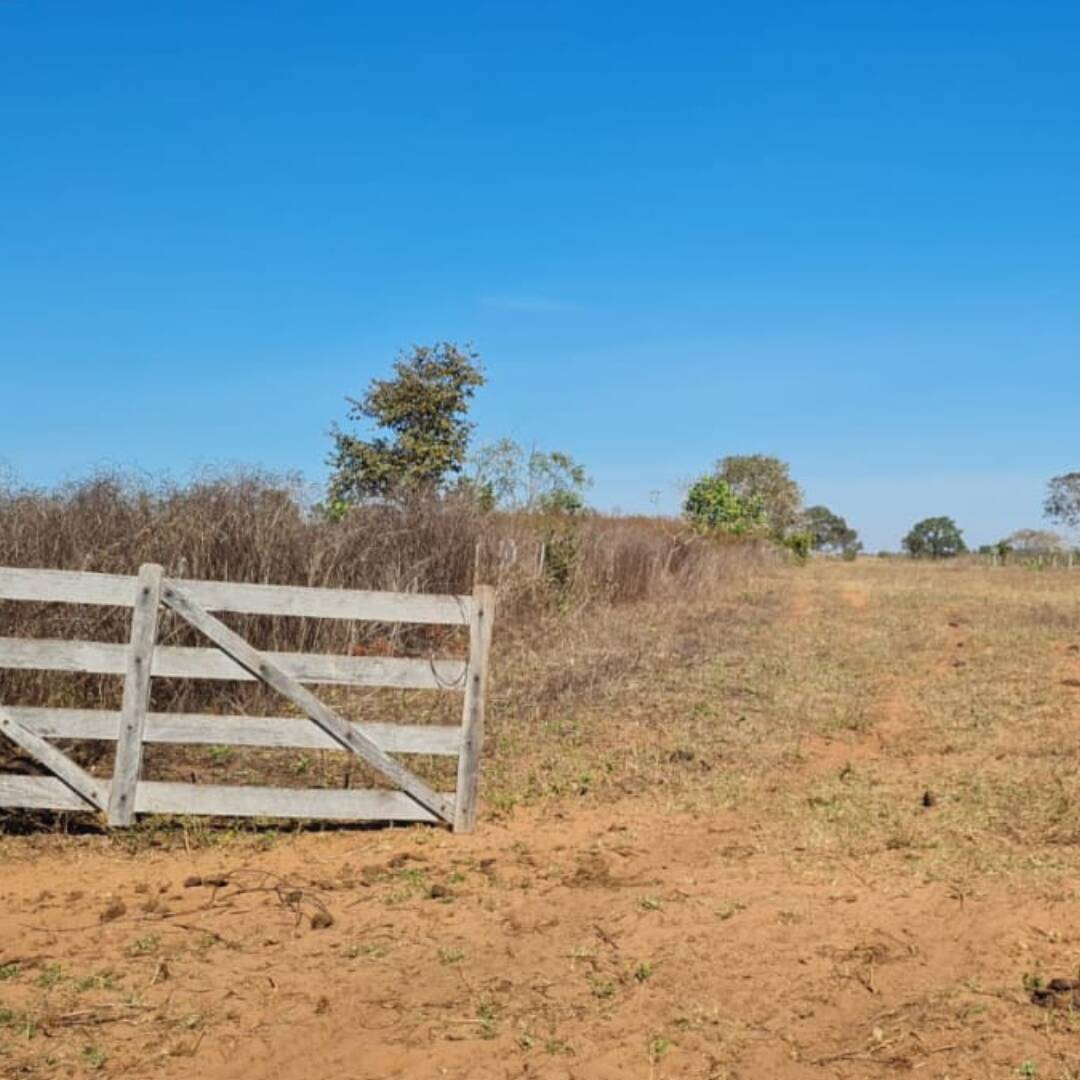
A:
[800,545]
[712,505]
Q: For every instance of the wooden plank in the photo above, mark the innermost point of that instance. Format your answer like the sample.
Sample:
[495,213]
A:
[129,752]
[472,731]
[80,783]
[212,730]
[318,603]
[117,590]
[262,666]
[47,793]
[66,586]
[235,801]
[178,662]
[38,793]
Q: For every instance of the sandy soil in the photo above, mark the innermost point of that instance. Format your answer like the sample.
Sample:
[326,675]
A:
[808,928]
[607,943]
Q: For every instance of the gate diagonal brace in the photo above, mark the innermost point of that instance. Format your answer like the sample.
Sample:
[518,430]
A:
[58,763]
[339,729]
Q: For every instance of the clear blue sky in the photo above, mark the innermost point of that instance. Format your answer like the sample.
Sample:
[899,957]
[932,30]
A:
[844,233]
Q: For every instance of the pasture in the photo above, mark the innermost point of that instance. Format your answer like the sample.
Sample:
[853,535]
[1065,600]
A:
[821,823]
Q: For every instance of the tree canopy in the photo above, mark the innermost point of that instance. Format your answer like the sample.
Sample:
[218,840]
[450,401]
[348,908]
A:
[1063,500]
[829,532]
[766,482]
[1033,542]
[507,476]
[935,538]
[423,411]
[713,505]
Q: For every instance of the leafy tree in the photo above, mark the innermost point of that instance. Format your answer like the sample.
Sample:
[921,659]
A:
[545,481]
[829,532]
[766,481]
[422,410]
[1063,500]
[935,538]
[713,505]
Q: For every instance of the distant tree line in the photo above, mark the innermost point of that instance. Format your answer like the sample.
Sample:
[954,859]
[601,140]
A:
[754,495]
[419,446]
[940,537]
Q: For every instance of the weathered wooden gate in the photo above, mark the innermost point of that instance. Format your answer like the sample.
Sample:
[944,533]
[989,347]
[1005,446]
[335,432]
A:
[70,787]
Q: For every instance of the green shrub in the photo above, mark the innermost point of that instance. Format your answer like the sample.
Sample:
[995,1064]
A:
[712,505]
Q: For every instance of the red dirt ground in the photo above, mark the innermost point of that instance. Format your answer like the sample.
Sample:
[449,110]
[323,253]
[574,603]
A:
[878,899]
[601,944]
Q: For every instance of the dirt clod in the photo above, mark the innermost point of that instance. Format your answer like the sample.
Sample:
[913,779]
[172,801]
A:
[114,909]
[592,869]
[1057,994]
[211,881]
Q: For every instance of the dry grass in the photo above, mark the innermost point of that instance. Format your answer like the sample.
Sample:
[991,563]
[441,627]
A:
[559,581]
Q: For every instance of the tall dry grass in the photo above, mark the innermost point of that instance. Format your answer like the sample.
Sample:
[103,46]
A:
[555,576]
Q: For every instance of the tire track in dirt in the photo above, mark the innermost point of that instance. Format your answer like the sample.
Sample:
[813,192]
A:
[849,612]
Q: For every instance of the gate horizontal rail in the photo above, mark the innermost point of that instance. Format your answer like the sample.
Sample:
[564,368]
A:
[118,590]
[229,657]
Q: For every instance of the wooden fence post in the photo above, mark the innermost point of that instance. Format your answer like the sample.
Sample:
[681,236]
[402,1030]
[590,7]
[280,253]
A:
[129,746]
[472,733]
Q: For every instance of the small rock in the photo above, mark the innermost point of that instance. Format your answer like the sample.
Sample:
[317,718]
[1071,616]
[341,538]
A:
[929,799]
[321,920]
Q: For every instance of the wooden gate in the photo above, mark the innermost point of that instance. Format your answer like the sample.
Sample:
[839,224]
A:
[70,787]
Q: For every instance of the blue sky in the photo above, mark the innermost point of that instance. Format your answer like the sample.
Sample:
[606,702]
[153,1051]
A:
[843,233]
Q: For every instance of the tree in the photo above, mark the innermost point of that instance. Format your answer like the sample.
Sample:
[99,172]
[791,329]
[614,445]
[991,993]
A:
[423,410]
[547,481]
[935,538]
[768,481]
[829,532]
[1063,500]
[1033,542]
[713,505]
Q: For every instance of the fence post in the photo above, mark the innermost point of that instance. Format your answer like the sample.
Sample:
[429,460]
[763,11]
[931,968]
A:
[472,731]
[129,745]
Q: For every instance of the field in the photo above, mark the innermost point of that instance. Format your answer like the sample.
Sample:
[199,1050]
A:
[823,823]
